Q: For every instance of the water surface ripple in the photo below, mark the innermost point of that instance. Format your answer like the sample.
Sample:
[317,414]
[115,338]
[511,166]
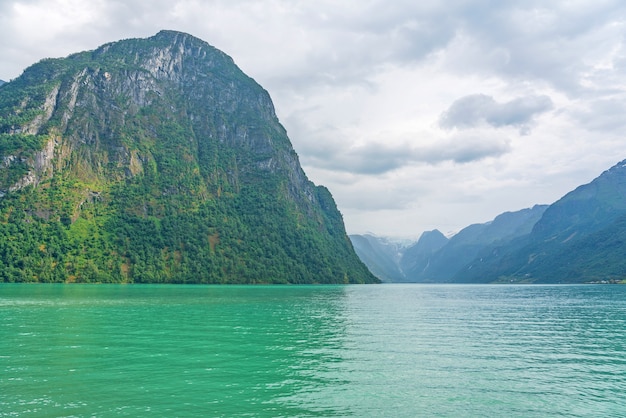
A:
[271,351]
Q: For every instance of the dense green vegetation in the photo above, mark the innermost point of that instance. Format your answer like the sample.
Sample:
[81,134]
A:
[169,167]
[241,239]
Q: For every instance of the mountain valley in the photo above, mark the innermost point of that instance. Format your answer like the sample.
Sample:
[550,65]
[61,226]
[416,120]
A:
[581,238]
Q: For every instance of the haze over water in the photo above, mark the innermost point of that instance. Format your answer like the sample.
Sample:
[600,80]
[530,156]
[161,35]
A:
[388,350]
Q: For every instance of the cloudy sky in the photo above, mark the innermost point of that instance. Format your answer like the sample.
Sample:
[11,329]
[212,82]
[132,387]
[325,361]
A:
[415,114]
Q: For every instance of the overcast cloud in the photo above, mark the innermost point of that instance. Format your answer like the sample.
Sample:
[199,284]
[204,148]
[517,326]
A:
[416,115]
[470,111]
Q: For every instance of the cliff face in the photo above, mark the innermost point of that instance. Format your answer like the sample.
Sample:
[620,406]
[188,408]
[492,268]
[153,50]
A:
[159,160]
[100,109]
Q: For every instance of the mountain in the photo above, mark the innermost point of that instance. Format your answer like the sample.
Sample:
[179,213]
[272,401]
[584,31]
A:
[1,82]
[380,255]
[460,250]
[158,160]
[579,238]
[417,257]
[437,259]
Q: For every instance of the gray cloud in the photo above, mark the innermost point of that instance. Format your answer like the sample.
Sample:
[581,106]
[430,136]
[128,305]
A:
[325,43]
[514,40]
[603,115]
[378,158]
[556,42]
[475,109]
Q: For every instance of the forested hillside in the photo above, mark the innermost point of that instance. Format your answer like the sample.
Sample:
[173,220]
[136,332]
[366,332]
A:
[158,160]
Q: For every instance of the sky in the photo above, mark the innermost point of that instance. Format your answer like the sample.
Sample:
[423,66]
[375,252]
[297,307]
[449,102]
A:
[417,115]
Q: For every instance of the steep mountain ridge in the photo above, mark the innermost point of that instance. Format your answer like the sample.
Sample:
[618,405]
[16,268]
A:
[588,208]
[158,160]
[580,238]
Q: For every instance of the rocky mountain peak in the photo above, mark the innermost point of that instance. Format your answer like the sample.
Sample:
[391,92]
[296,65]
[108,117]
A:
[170,55]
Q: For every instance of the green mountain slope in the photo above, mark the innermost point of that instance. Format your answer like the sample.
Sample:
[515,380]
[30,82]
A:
[158,160]
[580,238]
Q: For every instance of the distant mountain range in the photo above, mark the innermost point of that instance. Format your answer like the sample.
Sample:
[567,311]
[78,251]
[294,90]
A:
[580,238]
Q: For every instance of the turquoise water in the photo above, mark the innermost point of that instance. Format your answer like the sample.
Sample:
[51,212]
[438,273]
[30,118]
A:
[269,351]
